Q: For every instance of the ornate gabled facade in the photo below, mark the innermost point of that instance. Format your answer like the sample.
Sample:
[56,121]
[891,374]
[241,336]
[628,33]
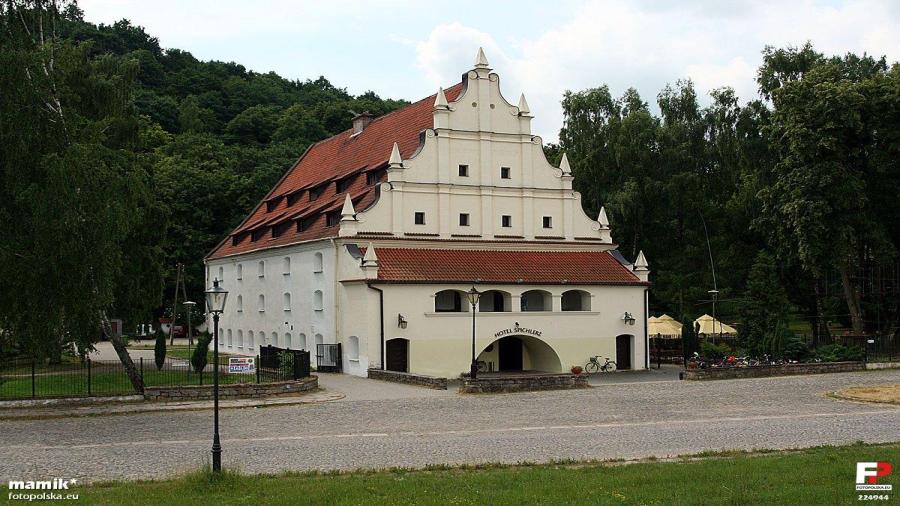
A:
[371,239]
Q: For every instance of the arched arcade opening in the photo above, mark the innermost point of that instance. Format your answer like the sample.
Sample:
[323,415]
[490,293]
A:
[519,353]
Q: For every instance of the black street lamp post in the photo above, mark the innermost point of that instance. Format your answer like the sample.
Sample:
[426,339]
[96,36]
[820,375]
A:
[215,303]
[473,295]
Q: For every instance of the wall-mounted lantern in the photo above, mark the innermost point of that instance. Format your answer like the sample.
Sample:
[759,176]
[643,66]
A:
[401,321]
[628,318]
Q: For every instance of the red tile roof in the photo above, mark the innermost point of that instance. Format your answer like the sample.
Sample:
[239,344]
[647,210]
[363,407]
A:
[325,162]
[407,265]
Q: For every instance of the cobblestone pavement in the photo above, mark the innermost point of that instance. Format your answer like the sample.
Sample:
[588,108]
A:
[616,420]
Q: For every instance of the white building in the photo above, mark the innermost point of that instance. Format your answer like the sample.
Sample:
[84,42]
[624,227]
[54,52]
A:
[371,239]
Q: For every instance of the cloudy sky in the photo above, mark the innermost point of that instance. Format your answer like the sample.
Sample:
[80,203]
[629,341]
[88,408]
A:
[406,49]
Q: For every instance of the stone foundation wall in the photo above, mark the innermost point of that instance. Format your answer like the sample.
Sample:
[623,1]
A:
[238,391]
[772,370]
[409,379]
[522,383]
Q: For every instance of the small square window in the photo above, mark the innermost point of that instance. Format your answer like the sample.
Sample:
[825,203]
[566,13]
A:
[463,171]
[504,173]
[420,218]
[315,193]
[463,220]
[548,222]
[506,220]
[371,178]
[342,185]
[332,219]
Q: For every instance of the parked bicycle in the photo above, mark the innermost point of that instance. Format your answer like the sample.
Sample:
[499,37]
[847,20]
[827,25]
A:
[595,366]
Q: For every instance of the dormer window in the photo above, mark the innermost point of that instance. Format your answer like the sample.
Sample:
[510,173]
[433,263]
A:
[342,185]
[315,193]
[373,177]
[293,198]
[463,170]
[332,219]
[302,224]
[256,234]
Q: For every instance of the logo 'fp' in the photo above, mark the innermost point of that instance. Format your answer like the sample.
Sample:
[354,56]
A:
[869,472]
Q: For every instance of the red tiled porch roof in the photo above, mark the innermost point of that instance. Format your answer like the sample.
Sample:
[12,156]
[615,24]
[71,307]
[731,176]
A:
[325,162]
[421,265]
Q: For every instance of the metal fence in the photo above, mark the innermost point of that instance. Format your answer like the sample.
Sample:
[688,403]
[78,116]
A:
[281,364]
[33,379]
[328,357]
[877,348]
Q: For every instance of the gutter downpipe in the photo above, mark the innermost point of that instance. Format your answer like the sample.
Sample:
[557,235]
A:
[380,319]
[646,330]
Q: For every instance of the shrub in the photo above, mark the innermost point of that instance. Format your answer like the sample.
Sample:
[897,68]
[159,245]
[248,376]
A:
[198,356]
[796,349]
[840,353]
[712,350]
[159,351]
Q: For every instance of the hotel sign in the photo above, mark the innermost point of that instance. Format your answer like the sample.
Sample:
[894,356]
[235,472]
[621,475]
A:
[516,329]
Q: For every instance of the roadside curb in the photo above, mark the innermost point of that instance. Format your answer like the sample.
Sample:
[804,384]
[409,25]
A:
[135,407]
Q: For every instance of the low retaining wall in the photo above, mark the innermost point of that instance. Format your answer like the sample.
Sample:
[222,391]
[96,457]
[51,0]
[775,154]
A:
[409,379]
[522,383]
[772,370]
[882,365]
[237,391]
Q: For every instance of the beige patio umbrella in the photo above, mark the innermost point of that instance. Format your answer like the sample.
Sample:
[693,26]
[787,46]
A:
[709,325]
[664,326]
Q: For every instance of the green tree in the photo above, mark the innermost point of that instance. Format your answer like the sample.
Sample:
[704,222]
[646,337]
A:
[199,355]
[73,186]
[764,311]
[836,156]
[159,349]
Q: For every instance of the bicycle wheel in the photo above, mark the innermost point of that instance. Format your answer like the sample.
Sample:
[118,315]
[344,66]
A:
[592,367]
[610,366]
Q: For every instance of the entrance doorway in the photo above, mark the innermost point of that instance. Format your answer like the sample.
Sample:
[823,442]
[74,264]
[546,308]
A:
[623,351]
[397,355]
[510,351]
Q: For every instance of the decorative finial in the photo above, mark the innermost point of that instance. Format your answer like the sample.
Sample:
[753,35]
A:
[440,102]
[602,219]
[395,162]
[564,165]
[370,258]
[641,263]
[523,106]
[347,212]
[481,60]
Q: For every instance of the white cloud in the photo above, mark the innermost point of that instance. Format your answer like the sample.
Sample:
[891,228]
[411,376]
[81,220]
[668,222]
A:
[647,46]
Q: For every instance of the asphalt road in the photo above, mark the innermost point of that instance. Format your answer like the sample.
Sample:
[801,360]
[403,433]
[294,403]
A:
[609,421]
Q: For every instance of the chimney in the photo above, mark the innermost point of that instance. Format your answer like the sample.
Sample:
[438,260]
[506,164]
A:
[361,121]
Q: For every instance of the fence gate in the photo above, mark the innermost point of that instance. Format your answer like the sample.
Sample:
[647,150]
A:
[289,364]
[328,357]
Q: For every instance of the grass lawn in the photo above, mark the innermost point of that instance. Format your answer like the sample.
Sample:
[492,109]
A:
[108,382]
[889,394]
[819,476]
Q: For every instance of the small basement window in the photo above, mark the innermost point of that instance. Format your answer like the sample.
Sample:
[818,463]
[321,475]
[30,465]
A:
[463,219]
[505,173]
[420,218]
[463,170]
[548,222]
